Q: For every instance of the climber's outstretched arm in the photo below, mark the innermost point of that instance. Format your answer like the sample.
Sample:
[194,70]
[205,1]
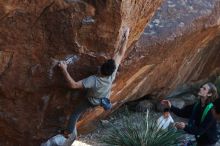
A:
[122,46]
[72,83]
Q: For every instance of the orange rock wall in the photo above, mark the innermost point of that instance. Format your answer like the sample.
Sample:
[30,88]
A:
[179,45]
[34,99]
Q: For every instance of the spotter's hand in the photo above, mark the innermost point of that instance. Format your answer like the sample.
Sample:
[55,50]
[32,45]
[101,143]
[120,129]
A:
[180,125]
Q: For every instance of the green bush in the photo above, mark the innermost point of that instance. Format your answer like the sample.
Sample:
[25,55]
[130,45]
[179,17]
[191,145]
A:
[140,131]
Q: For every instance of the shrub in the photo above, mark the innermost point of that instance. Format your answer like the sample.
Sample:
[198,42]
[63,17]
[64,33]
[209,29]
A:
[140,131]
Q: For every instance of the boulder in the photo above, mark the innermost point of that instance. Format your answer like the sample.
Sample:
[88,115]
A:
[177,102]
[34,35]
[179,45]
[57,140]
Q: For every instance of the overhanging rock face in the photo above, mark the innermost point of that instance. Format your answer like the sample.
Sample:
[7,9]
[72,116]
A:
[180,45]
[34,35]
[181,42]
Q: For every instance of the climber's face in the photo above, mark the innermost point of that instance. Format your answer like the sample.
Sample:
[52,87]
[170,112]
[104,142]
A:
[204,91]
[166,114]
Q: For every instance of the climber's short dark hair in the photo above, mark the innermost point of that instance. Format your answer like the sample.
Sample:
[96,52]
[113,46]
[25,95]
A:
[108,67]
[166,110]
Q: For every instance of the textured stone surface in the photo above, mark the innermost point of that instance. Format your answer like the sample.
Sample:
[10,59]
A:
[34,35]
[180,45]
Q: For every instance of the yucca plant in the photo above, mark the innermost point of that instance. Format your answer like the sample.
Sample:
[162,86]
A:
[142,131]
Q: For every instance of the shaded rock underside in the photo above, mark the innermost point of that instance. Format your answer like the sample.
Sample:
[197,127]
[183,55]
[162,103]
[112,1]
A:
[179,45]
[34,35]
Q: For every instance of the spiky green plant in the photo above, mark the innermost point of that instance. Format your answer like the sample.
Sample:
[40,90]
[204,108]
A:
[140,132]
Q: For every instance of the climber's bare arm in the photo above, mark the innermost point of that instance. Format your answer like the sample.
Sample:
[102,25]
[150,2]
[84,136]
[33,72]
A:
[122,46]
[71,82]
